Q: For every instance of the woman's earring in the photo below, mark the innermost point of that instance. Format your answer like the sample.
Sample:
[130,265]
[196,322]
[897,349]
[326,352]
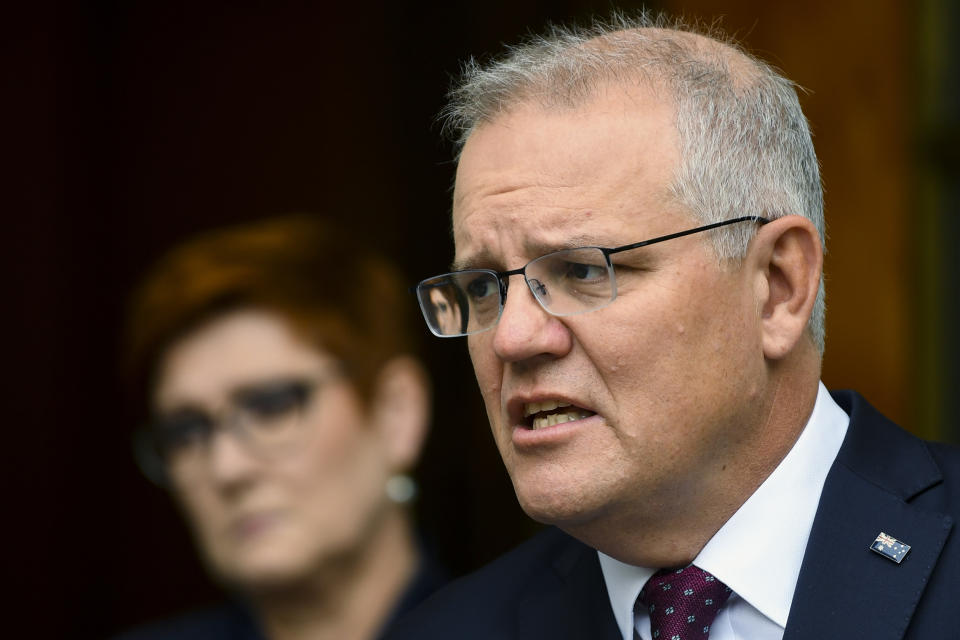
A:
[401,488]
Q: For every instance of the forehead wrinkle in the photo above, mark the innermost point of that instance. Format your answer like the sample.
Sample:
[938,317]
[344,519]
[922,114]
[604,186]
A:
[533,248]
[513,205]
[541,189]
[495,219]
[558,227]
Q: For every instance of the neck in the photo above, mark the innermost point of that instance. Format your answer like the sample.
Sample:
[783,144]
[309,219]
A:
[669,530]
[352,596]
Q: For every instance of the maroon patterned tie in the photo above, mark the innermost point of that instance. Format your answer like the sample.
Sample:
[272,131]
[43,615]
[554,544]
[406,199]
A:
[682,603]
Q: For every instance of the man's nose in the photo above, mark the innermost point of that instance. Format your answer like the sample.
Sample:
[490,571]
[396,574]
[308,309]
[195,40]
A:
[526,329]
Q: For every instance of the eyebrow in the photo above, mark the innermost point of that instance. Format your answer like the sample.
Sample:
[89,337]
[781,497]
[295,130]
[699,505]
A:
[484,258]
[248,388]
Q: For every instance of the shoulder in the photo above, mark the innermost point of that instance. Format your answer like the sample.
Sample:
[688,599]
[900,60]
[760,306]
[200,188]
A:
[947,459]
[483,604]
[430,577]
[231,621]
[916,471]
[884,480]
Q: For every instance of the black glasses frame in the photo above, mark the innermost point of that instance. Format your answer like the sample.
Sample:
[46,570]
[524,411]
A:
[502,276]
[147,439]
[609,251]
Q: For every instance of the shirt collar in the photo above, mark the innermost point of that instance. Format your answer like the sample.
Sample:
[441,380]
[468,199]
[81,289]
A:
[758,551]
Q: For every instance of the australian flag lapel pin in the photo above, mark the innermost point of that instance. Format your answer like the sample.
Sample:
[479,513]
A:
[890,548]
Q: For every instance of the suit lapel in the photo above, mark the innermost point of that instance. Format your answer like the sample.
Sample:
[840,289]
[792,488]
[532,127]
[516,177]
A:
[571,603]
[845,589]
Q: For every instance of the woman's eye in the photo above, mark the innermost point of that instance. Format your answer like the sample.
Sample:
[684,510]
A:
[181,430]
[273,401]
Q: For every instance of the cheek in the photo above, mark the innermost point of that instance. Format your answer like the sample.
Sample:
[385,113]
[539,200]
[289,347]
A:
[201,508]
[338,474]
[665,353]
[487,368]
[208,517]
[334,491]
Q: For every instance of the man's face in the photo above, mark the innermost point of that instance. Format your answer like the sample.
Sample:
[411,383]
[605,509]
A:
[659,382]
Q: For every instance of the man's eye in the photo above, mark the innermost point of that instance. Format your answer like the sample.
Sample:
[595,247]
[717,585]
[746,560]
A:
[480,288]
[580,271]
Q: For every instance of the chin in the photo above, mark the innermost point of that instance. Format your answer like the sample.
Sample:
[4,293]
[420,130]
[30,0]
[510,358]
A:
[267,563]
[552,504]
[259,574]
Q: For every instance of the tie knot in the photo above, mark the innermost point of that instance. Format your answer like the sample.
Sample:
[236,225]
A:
[682,603]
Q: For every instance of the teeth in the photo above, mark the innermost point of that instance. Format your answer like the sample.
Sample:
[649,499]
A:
[558,418]
[547,405]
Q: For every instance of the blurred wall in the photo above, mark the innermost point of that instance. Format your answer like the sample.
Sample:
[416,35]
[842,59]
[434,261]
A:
[935,209]
[145,122]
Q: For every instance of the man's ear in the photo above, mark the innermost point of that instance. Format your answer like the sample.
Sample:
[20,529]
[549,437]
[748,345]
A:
[400,410]
[789,260]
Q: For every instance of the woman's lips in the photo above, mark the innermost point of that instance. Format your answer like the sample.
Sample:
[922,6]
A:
[253,525]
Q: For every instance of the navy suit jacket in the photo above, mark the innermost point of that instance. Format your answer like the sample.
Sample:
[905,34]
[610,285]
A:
[883,479]
[235,620]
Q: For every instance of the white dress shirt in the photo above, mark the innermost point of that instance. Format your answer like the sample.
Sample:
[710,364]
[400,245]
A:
[758,552]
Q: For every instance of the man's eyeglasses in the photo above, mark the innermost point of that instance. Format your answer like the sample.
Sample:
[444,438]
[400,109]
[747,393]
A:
[565,283]
[267,418]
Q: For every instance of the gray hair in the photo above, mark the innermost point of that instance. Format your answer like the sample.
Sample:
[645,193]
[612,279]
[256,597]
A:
[745,144]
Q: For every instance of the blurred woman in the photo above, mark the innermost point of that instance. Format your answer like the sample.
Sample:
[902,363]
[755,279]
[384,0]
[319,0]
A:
[276,361]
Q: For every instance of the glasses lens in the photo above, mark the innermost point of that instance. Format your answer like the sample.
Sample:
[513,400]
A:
[571,281]
[181,431]
[171,443]
[461,303]
[146,451]
[271,413]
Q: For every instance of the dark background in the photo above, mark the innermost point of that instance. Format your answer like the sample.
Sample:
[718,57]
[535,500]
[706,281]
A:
[135,124]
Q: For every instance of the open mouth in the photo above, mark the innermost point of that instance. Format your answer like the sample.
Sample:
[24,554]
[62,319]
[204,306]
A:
[548,413]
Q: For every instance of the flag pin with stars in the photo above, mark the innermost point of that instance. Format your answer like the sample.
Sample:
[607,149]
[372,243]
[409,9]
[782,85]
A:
[890,548]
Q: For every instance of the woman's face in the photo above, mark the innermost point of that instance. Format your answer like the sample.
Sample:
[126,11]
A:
[268,515]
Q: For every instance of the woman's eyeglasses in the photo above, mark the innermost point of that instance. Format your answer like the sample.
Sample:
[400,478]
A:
[266,417]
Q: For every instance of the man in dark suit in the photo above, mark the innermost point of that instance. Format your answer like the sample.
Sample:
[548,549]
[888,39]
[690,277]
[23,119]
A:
[638,224]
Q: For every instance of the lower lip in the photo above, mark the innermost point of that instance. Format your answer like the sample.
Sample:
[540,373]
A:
[253,526]
[524,437]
